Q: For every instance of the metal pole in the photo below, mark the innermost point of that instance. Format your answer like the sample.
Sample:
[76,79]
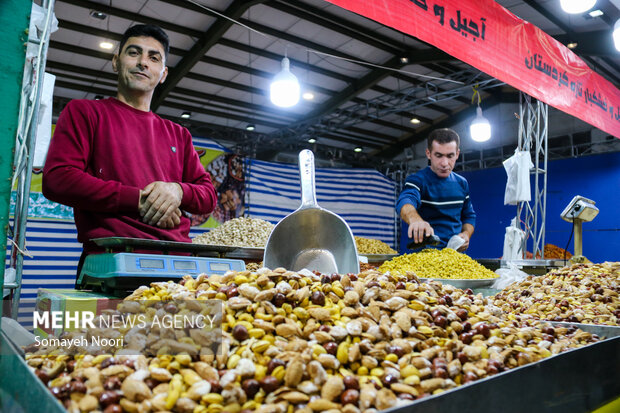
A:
[25,175]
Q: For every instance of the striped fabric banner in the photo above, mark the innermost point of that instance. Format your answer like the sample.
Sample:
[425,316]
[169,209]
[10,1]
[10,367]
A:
[364,198]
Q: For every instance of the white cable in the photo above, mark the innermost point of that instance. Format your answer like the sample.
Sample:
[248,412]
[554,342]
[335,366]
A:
[361,62]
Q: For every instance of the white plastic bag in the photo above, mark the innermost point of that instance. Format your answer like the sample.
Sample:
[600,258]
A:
[455,242]
[513,242]
[518,184]
[507,276]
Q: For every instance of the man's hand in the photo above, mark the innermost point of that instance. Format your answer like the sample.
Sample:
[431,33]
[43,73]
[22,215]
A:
[159,204]
[419,229]
[464,247]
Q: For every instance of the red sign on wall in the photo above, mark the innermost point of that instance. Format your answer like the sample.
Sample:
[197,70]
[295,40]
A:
[490,38]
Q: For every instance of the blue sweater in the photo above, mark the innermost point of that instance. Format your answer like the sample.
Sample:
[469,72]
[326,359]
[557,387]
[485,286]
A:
[442,202]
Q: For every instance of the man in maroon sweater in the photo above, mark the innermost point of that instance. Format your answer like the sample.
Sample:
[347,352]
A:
[125,171]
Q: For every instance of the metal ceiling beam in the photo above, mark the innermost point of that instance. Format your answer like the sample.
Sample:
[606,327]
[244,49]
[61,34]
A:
[375,76]
[200,48]
[459,115]
[137,17]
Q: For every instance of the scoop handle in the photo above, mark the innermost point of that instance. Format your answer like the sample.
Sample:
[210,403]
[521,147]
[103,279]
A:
[306,173]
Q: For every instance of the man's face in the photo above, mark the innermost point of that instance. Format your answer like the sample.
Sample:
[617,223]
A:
[442,157]
[140,65]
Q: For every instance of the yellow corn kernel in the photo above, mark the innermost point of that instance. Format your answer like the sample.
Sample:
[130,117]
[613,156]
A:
[357,339]
[200,409]
[290,408]
[221,296]
[183,359]
[233,361]
[260,373]
[256,332]
[438,391]
[246,317]
[249,405]
[278,373]
[98,359]
[281,311]
[318,349]
[377,372]
[339,291]
[215,408]
[232,408]
[174,391]
[301,313]
[261,346]
[342,354]
[241,279]
[269,338]
[392,357]
[410,370]
[173,365]
[287,307]
[412,380]
[345,372]
[263,316]
[426,330]
[212,398]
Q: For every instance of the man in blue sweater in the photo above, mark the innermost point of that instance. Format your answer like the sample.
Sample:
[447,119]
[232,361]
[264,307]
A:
[435,200]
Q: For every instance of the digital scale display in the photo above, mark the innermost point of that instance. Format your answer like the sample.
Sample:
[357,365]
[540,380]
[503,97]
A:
[184,265]
[151,263]
[219,266]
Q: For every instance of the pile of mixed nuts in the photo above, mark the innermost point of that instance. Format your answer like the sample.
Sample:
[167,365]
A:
[305,342]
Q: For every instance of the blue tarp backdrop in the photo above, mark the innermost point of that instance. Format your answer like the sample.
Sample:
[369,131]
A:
[596,177]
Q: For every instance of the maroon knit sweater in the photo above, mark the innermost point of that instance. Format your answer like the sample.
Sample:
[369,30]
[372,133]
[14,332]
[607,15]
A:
[103,152]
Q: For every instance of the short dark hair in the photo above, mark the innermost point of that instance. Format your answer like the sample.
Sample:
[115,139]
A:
[443,136]
[146,30]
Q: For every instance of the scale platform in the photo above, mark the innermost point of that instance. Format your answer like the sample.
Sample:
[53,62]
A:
[119,273]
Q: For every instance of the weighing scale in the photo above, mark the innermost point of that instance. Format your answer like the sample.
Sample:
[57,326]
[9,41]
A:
[121,272]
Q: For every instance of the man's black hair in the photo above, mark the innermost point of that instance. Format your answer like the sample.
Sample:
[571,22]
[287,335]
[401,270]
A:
[146,30]
[443,136]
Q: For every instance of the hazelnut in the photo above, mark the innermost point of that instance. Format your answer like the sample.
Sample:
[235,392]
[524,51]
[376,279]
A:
[469,291]
[388,380]
[42,376]
[448,299]
[78,387]
[171,308]
[279,299]
[273,363]
[331,347]
[349,396]
[441,372]
[113,408]
[109,397]
[107,362]
[353,277]
[269,384]
[466,326]
[398,350]
[325,328]
[114,383]
[440,321]
[216,387]
[351,382]
[70,366]
[232,292]
[318,298]
[149,381]
[469,377]
[240,333]
[334,277]
[466,337]
[326,279]
[250,387]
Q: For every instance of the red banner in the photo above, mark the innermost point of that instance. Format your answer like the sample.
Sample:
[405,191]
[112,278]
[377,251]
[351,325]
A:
[487,36]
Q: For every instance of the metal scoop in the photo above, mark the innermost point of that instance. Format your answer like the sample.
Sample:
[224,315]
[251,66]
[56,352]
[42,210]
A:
[311,237]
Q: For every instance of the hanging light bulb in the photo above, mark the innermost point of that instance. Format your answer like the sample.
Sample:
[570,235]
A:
[480,128]
[285,87]
[616,35]
[577,6]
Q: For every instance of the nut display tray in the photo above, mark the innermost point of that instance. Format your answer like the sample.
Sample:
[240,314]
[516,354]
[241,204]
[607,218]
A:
[379,257]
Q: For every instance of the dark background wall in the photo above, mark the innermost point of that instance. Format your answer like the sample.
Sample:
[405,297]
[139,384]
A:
[596,177]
